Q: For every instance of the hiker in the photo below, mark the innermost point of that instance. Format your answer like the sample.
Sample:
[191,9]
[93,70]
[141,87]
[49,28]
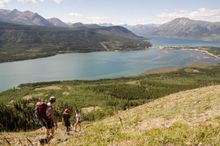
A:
[51,121]
[45,114]
[66,119]
[77,123]
[40,111]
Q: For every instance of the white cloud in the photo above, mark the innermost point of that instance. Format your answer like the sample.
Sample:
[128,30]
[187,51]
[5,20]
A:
[3,3]
[75,14]
[58,1]
[30,1]
[77,17]
[35,1]
[199,14]
[27,1]
[212,15]
[98,19]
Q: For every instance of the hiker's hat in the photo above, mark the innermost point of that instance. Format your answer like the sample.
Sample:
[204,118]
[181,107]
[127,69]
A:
[52,98]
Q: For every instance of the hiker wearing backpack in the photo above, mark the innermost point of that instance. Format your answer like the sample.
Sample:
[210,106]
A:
[66,119]
[45,114]
[51,120]
[40,112]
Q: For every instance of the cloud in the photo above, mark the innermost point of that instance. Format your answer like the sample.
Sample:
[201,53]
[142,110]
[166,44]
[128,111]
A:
[3,3]
[77,17]
[199,14]
[98,19]
[74,14]
[30,1]
[58,1]
[27,1]
[35,1]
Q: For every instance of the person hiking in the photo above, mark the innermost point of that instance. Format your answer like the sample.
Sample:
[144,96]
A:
[39,110]
[45,114]
[77,122]
[51,120]
[66,119]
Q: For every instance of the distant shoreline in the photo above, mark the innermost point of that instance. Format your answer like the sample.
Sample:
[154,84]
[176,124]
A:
[204,50]
[69,52]
[162,70]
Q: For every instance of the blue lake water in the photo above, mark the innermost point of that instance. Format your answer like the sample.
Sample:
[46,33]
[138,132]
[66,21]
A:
[96,65]
[157,41]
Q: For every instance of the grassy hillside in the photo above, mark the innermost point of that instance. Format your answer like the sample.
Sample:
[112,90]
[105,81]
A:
[184,118]
[20,42]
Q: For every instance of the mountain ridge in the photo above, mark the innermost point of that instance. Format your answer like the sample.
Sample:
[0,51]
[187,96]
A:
[184,28]
[57,22]
[20,42]
[23,18]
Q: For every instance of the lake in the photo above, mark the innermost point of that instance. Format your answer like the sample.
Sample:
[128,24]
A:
[99,65]
[157,41]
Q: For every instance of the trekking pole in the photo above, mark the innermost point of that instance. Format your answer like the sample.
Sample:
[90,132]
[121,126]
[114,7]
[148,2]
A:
[30,141]
[7,141]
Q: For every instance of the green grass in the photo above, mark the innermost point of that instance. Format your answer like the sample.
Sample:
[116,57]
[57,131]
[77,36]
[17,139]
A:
[183,134]
[172,120]
[185,118]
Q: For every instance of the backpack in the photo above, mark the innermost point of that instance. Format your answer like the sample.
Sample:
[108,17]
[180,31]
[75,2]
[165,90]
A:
[40,110]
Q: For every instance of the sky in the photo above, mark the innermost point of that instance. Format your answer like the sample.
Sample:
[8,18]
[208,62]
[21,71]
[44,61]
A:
[130,12]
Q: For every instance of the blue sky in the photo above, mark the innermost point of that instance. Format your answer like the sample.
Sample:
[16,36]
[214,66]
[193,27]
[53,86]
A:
[119,11]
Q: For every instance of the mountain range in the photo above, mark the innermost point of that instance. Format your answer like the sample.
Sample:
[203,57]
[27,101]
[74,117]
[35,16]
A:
[23,18]
[181,28]
[178,28]
[20,42]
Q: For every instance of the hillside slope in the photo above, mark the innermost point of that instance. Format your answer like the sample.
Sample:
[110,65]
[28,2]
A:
[20,42]
[185,118]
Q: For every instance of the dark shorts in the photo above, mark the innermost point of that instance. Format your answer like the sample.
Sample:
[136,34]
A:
[67,123]
[48,123]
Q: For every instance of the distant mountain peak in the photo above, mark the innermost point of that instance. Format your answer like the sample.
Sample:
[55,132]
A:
[183,28]
[183,18]
[189,29]
[80,25]
[15,10]
[181,21]
[25,18]
[57,22]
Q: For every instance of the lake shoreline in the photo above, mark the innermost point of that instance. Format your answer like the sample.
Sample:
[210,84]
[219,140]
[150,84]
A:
[199,49]
[68,52]
[203,50]
[162,70]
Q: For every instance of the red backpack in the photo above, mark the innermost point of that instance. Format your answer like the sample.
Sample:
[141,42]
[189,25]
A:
[40,110]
